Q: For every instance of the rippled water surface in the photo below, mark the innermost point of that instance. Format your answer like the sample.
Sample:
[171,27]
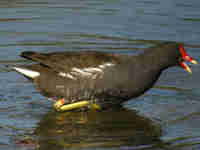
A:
[166,117]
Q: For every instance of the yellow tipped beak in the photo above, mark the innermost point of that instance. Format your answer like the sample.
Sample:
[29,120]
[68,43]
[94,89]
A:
[194,61]
[186,57]
[185,67]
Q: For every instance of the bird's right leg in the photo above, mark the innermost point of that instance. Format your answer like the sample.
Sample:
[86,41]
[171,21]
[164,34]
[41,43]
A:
[60,106]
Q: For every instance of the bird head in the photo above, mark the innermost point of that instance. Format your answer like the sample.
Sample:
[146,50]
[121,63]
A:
[184,57]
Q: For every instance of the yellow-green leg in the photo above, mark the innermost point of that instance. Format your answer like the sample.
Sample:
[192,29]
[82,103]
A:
[60,106]
[76,105]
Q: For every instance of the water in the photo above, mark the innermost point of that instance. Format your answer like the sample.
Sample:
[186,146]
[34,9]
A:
[166,117]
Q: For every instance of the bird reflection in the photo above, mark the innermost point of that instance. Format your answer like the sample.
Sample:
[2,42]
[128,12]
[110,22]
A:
[95,129]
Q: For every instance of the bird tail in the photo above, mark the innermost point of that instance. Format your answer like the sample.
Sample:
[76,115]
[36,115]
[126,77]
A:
[27,72]
[31,74]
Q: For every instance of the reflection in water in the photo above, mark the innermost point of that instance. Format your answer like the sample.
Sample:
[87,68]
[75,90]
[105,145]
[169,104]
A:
[95,129]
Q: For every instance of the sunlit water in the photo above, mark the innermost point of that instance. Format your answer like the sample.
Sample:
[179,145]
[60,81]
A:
[166,117]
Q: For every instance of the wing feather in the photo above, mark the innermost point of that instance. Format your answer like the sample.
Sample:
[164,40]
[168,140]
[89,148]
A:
[74,64]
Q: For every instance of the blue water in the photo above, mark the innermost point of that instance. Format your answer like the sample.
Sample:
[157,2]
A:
[167,116]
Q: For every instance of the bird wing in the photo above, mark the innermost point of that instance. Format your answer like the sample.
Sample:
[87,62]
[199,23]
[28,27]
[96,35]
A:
[74,64]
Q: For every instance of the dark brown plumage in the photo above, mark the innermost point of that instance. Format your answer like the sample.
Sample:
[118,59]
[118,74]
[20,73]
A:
[106,79]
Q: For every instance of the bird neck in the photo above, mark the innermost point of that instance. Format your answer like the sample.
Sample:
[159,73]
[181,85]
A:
[156,59]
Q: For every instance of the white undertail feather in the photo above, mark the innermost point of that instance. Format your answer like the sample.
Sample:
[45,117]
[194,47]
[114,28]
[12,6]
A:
[29,73]
[81,71]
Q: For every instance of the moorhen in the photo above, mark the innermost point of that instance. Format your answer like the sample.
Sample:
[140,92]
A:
[100,80]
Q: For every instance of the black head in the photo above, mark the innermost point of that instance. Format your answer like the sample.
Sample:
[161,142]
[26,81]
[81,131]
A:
[173,54]
[185,57]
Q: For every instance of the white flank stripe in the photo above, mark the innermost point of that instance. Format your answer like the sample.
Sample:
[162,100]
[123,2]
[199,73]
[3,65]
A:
[67,75]
[92,72]
[106,65]
[62,74]
[81,72]
[70,76]
[29,73]
[92,69]
[109,64]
